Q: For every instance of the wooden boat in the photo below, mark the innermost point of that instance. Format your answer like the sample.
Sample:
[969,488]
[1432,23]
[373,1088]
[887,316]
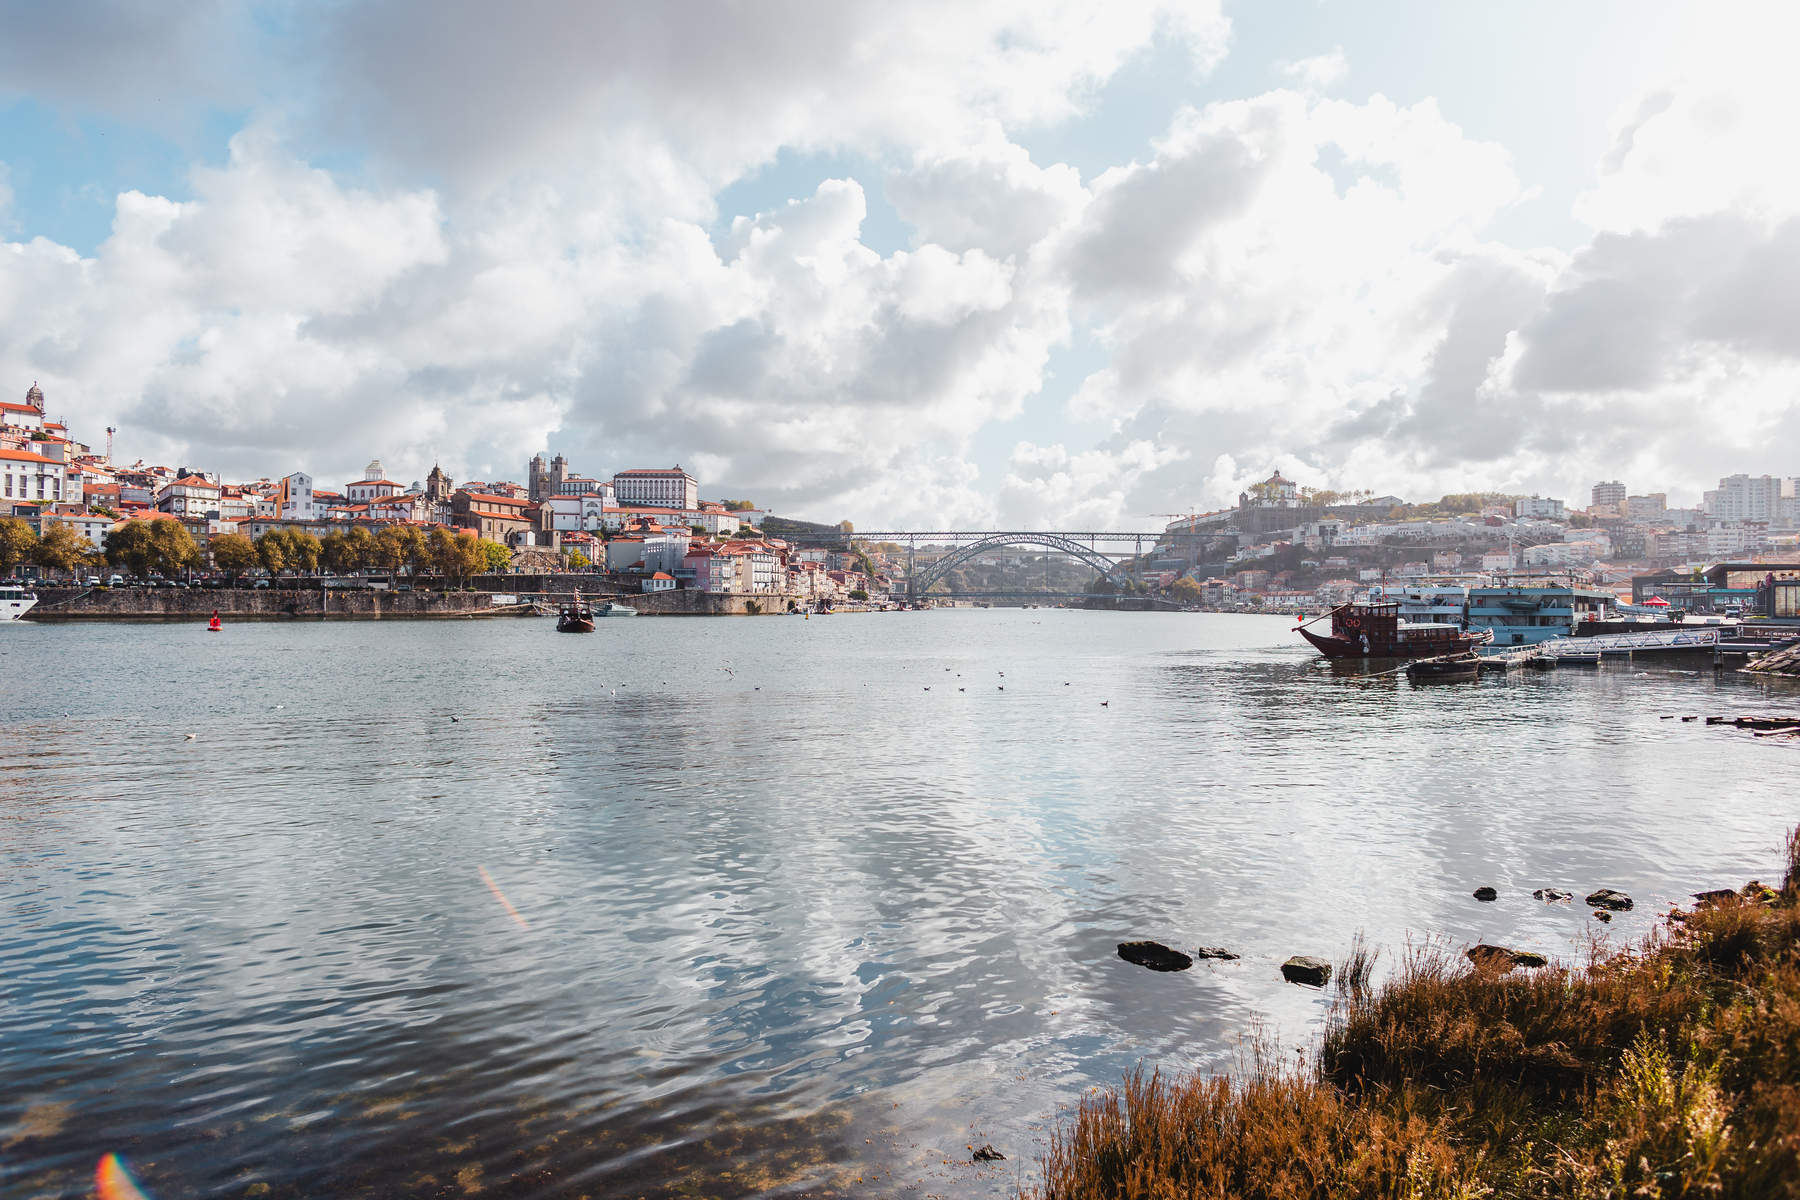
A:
[1449,666]
[575,617]
[1375,630]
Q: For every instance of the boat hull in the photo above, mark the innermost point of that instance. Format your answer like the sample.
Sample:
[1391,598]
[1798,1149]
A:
[574,625]
[1333,646]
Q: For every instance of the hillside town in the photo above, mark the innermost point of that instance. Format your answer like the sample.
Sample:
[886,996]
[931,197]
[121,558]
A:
[70,510]
[1292,548]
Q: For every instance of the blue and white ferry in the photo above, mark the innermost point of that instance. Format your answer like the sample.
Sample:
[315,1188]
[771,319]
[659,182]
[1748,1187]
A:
[1524,616]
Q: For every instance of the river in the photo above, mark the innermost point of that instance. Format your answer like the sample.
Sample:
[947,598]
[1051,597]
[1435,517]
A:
[720,906]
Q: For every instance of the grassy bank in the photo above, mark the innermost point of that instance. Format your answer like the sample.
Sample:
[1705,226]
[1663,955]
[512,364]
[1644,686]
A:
[1668,1070]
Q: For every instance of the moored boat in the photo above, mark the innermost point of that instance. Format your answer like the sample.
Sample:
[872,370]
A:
[15,602]
[1375,630]
[1466,665]
[575,617]
[612,608]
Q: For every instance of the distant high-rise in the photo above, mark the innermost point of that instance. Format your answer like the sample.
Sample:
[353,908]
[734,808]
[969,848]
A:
[1609,494]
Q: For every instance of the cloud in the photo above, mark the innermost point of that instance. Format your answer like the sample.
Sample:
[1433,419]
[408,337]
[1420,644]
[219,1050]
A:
[1318,73]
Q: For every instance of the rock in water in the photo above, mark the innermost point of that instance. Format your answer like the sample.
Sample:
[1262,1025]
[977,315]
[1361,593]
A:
[1486,893]
[1154,955]
[1314,972]
[1503,958]
[1552,895]
[987,1153]
[1602,915]
[1607,898]
[1218,952]
[1716,896]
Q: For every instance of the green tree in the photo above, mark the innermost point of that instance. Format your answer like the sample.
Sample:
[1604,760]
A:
[495,557]
[858,594]
[846,527]
[407,545]
[60,548]
[233,553]
[18,544]
[271,551]
[737,505]
[385,551]
[288,550]
[455,556]
[578,561]
[157,544]
[333,551]
[1186,591]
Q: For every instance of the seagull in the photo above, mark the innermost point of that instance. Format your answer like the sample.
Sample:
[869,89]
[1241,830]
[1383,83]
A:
[928,689]
[962,689]
[1104,703]
[455,720]
[188,738]
[1065,683]
[1003,687]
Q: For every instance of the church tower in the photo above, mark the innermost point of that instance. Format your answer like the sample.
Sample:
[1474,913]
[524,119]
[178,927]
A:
[437,486]
[34,396]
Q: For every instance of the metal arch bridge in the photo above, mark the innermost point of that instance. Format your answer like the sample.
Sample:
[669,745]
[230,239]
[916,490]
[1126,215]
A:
[1082,545]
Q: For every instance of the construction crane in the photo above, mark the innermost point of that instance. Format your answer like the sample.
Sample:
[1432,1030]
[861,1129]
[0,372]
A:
[110,430]
[1193,546]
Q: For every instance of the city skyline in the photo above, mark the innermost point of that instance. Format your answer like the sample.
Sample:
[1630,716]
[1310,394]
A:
[1021,267]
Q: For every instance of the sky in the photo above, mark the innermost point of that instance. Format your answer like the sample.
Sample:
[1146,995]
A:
[1024,264]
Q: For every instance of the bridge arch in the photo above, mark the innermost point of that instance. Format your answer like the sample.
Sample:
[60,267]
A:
[924,580]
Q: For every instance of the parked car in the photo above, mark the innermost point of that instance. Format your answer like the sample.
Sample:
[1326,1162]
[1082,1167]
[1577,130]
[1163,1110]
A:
[93,581]
[116,580]
[261,583]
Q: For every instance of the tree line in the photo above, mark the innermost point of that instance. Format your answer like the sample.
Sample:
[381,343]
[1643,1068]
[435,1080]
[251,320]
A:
[164,546]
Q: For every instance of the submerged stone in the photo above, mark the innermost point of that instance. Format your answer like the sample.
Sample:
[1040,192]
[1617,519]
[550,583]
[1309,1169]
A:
[1486,893]
[1302,968]
[1154,955]
[1218,952]
[1503,958]
[1553,895]
[1608,898]
[987,1153]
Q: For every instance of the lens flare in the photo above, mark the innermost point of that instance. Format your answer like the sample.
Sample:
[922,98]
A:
[114,1182]
[501,897]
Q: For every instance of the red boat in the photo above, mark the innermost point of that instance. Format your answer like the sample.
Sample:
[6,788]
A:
[1376,631]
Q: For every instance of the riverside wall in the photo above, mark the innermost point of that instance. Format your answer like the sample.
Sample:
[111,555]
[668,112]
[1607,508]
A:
[270,604]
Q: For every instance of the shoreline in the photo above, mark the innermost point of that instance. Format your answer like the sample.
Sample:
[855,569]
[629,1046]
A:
[1669,1067]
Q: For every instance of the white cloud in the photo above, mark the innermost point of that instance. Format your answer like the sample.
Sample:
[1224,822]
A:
[1319,73]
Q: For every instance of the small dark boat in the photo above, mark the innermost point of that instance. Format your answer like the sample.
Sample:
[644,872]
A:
[1448,666]
[1376,631]
[575,617]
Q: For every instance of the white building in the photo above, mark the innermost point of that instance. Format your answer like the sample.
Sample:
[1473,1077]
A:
[1539,508]
[29,415]
[652,488]
[373,488]
[28,476]
[1744,498]
[293,498]
[189,496]
[1609,494]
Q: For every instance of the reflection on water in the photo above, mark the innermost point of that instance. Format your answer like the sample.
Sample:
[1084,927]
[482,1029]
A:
[734,907]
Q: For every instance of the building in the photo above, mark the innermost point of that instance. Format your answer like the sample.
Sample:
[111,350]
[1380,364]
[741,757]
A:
[25,475]
[294,497]
[650,488]
[509,520]
[189,496]
[372,488]
[1745,498]
[1644,510]
[1276,491]
[1539,508]
[1609,495]
[29,415]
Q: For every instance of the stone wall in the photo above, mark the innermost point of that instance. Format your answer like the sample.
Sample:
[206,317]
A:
[185,604]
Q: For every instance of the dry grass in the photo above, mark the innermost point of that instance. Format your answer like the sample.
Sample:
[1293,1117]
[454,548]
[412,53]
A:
[1669,1070]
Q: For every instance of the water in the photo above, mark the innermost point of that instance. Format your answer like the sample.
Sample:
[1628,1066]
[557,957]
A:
[787,921]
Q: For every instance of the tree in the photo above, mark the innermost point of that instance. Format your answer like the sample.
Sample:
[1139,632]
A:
[18,543]
[1186,591]
[156,544]
[495,557]
[288,550]
[858,594]
[60,548]
[737,505]
[578,561]
[846,527]
[408,544]
[455,556]
[233,553]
